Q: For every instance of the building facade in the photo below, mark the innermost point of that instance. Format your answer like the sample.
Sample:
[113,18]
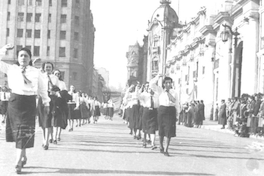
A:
[58,31]
[219,53]
[136,62]
[105,74]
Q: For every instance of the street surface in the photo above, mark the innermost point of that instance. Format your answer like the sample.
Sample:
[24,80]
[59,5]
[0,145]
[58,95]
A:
[106,149]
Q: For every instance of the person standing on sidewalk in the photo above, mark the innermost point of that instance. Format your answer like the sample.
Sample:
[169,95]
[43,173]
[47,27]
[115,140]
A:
[4,97]
[222,114]
[166,111]
[25,82]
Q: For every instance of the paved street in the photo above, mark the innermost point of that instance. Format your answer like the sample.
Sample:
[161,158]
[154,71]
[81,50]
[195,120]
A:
[106,148]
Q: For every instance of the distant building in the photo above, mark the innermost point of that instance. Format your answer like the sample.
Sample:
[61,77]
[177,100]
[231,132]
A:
[105,74]
[61,32]
[137,63]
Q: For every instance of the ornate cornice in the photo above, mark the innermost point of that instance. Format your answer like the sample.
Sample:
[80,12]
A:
[223,16]
[207,29]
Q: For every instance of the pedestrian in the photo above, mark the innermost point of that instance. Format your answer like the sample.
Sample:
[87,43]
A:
[110,107]
[72,103]
[96,108]
[166,111]
[222,114]
[45,120]
[25,82]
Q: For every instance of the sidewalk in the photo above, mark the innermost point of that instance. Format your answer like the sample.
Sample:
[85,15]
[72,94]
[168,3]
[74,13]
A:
[214,126]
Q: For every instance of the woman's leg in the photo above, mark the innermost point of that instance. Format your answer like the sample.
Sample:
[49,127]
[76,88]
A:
[59,134]
[19,156]
[168,139]
[43,136]
[161,139]
[55,134]
[152,138]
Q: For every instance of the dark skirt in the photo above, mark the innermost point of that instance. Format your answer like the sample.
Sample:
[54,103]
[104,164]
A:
[77,113]
[140,115]
[44,119]
[111,111]
[20,124]
[3,106]
[134,117]
[152,122]
[145,117]
[84,111]
[167,121]
[97,111]
[71,110]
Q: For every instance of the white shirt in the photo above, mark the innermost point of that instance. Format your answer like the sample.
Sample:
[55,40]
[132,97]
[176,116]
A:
[16,82]
[110,104]
[62,85]
[4,96]
[162,94]
[146,98]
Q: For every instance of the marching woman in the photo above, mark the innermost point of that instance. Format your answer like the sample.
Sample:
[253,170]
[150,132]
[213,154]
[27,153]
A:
[110,107]
[45,120]
[166,111]
[60,122]
[84,109]
[72,104]
[77,112]
[25,82]
[96,110]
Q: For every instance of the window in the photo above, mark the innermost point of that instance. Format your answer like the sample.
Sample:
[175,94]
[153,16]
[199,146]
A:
[62,74]
[63,3]
[63,18]
[29,2]
[155,65]
[74,75]
[50,2]
[48,34]
[75,53]
[20,33]
[20,16]
[76,36]
[7,32]
[37,34]
[19,47]
[9,1]
[49,19]
[48,51]
[20,2]
[37,17]
[8,16]
[62,35]
[36,50]
[28,33]
[77,3]
[28,47]
[29,17]
[62,52]
[39,2]
[76,20]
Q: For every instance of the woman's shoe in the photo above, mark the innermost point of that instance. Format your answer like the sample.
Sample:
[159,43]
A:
[46,147]
[24,162]
[18,169]
[166,154]
[51,140]
[144,145]
[161,150]
[59,139]
[54,142]
[153,147]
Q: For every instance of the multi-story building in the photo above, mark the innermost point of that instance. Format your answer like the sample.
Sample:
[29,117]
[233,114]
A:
[137,62]
[105,74]
[219,53]
[59,31]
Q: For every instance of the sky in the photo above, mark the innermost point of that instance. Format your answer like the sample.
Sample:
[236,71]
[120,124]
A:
[120,23]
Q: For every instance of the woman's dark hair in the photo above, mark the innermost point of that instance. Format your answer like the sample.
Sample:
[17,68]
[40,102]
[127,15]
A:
[43,65]
[166,79]
[29,53]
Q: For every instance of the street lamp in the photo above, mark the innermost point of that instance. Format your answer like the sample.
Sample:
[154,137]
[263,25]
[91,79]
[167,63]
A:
[225,35]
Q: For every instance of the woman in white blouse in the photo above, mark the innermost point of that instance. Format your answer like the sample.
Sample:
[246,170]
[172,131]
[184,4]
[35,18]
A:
[25,82]
[166,111]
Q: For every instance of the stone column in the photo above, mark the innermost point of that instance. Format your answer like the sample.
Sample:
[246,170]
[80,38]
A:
[249,61]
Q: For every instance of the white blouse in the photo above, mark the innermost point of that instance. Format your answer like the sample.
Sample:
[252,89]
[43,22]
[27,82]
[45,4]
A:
[146,98]
[162,94]
[16,82]
[62,85]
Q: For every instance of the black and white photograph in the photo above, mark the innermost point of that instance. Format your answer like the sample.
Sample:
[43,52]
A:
[132,87]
